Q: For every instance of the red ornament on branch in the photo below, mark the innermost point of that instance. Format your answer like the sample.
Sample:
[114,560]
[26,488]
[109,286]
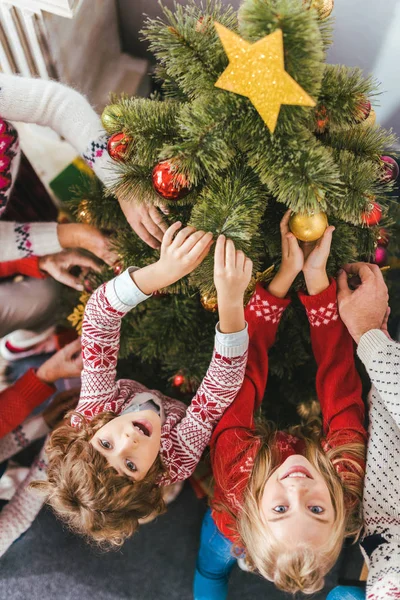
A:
[390,168]
[117,145]
[383,238]
[178,380]
[117,269]
[322,119]
[167,183]
[372,215]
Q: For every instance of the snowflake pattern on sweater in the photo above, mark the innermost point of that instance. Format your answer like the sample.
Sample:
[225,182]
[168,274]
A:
[186,431]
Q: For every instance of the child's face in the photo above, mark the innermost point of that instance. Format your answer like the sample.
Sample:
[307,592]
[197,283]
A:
[296,504]
[130,442]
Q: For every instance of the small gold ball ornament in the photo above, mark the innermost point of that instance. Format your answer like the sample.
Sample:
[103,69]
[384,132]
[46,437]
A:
[323,7]
[110,118]
[209,303]
[308,228]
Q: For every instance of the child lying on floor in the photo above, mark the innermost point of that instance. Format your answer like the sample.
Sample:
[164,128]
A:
[287,500]
[108,467]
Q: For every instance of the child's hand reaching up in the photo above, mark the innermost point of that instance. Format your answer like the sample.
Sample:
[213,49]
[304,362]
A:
[311,258]
[232,274]
[179,256]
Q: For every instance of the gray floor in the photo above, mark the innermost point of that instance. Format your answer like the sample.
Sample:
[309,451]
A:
[49,563]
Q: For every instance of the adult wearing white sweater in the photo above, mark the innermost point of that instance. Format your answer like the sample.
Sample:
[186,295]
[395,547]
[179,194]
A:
[365,312]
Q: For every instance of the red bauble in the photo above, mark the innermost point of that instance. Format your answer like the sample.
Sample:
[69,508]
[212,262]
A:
[381,256]
[117,268]
[391,168]
[365,109]
[117,145]
[322,119]
[178,380]
[167,183]
[87,284]
[372,215]
[383,238]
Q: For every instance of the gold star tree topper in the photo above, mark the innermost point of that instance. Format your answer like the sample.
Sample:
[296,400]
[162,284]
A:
[258,72]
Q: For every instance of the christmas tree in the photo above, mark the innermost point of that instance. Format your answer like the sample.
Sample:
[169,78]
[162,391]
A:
[250,121]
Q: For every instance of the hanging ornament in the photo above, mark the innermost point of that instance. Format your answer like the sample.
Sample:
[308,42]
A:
[87,284]
[372,214]
[110,117]
[257,71]
[370,120]
[202,24]
[322,119]
[84,214]
[209,303]
[76,317]
[167,183]
[118,144]
[391,168]
[117,268]
[308,228]
[381,256]
[323,7]
[178,380]
[383,237]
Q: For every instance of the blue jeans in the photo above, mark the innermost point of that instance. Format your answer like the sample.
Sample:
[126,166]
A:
[214,562]
[345,592]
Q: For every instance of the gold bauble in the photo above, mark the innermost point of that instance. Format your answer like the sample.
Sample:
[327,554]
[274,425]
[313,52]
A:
[209,303]
[370,120]
[308,228]
[84,214]
[111,118]
[323,7]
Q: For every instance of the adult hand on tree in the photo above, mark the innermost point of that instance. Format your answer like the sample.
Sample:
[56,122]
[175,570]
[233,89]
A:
[80,235]
[146,221]
[59,406]
[59,265]
[65,363]
[366,307]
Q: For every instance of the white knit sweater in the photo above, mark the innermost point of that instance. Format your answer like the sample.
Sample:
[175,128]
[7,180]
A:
[66,111]
[381,505]
[18,515]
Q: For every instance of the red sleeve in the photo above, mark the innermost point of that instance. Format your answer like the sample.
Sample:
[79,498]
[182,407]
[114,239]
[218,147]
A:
[262,314]
[338,383]
[23,266]
[19,400]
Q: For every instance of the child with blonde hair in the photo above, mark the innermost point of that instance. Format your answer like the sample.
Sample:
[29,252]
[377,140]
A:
[107,468]
[285,501]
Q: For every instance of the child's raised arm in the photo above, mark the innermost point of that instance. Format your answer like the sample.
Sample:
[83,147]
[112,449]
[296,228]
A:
[224,377]
[111,301]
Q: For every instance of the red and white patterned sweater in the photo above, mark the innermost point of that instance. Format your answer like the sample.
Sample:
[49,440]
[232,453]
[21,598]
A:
[186,431]
[233,446]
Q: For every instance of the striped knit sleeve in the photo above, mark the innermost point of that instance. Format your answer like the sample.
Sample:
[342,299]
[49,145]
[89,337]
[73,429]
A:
[20,240]
[22,436]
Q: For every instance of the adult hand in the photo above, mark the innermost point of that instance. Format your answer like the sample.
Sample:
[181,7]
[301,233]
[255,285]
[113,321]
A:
[80,235]
[59,265]
[146,221]
[65,363]
[59,406]
[364,308]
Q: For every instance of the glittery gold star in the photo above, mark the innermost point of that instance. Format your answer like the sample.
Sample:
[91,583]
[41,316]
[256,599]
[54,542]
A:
[258,72]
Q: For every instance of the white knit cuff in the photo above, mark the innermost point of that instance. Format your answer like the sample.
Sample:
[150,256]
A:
[35,428]
[231,344]
[44,238]
[123,293]
[370,343]
[98,159]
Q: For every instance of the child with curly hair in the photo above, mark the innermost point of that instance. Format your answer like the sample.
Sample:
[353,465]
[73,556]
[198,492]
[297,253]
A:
[107,468]
[285,500]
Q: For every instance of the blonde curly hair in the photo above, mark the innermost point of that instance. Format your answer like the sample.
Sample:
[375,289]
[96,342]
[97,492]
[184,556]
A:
[89,495]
